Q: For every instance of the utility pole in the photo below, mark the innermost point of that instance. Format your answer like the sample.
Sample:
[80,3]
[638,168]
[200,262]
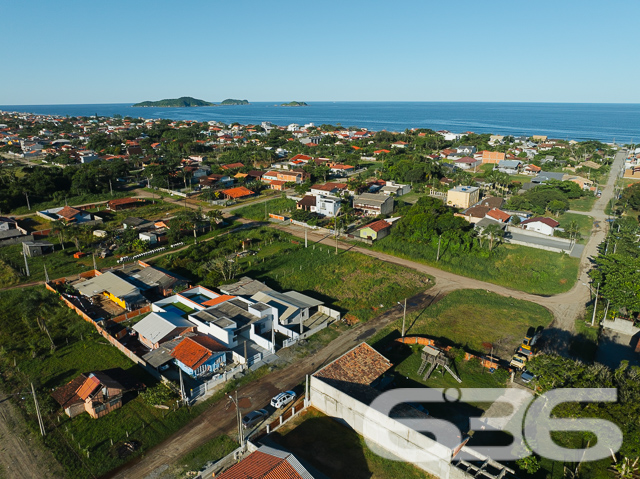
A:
[404,315]
[94,262]
[336,236]
[438,255]
[35,400]
[27,197]
[305,236]
[595,306]
[110,188]
[182,393]
[46,275]
[26,264]
[238,418]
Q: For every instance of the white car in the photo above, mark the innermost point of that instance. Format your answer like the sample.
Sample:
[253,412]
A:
[283,399]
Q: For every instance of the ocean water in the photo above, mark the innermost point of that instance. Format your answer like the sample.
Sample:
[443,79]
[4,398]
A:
[578,121]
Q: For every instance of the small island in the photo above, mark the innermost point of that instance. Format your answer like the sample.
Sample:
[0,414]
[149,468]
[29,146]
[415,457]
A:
[294,103]
[182,102]
[231,101]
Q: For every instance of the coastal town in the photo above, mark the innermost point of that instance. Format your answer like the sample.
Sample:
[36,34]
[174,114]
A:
[201,299]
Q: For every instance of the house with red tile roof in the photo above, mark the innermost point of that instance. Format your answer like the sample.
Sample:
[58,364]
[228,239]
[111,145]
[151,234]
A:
[342,170]
[499,215]
[540,224]
[278,185]
[97,393]
[269,463]
[492,157]
[199,355]
[125,203]
[376,230]
[232,166]
[238,192]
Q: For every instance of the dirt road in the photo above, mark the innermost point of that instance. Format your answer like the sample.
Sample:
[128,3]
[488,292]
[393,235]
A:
[219,419]
[21,455]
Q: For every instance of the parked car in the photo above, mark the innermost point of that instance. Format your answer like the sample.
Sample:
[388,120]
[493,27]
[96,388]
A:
[164,367]
[254,417]
[283,399]
[527,376]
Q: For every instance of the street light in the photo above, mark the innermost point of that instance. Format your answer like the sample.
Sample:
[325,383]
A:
[235,401]
[404,314]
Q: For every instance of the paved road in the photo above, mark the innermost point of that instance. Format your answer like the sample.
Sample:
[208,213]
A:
[549,241]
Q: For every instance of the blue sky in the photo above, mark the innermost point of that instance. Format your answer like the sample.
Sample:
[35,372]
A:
[129,51]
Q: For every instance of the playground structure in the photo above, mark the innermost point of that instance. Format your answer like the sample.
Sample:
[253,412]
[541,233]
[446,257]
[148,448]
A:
[435,357]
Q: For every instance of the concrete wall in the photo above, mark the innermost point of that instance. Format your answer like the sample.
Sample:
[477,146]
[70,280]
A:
[535,245]
[16,240]
[400,440]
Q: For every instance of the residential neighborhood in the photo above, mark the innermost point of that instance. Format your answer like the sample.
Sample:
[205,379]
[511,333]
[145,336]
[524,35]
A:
[197,260]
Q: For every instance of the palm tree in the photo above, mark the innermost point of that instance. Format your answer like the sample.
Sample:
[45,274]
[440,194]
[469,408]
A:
[573,229]
[495,235]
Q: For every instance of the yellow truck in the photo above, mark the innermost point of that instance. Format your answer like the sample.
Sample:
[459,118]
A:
[518,361]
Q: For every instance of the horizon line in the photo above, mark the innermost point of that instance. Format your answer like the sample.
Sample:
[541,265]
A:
[340,101]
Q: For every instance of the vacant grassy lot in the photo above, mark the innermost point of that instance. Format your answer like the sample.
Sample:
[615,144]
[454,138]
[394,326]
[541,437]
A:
[585,223]
[519,267]
[582,204]
[351,282]
[257,211]
[212,450]
[354,283]
[337,451]
[59,264]
[470,318]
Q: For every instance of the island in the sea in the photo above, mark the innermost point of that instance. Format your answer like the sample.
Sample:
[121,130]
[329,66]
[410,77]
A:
[231,101]
[183,101]
[294,103]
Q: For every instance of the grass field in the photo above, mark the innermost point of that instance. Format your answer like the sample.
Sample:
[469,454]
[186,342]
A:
[582,204]
[59,264]
[519,267]
[212,450]
[585,223]
[470,318]
[337,451]
[354,283]
[257,211]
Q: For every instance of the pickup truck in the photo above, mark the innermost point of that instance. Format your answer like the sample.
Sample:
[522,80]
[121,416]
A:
[518,361]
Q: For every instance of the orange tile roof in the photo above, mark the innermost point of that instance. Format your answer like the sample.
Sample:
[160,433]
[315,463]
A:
[68,212]
[259,465]
[231,166]
[378,226]
[194,353]
[499,215]
[238,192]
[218,300]
[88,387]
[361,365]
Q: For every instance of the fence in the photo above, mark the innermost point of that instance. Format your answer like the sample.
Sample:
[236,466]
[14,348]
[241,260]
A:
[131,314]
[296,408]
[124,259]
[213,382]
[487,363]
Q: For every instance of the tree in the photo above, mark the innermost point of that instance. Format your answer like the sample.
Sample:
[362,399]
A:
[556,207]
[228,268]
[573,230]
[495,234]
